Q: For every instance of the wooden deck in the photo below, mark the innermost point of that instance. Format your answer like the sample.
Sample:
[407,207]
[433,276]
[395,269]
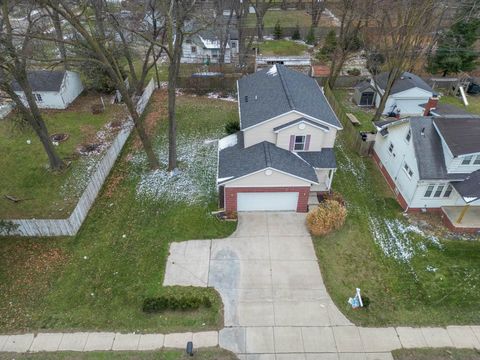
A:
[471,219]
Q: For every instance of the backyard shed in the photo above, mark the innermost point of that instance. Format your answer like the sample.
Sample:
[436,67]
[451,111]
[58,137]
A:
[364,94]
[52,89]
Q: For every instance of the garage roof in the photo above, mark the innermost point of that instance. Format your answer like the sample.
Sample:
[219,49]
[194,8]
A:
[43,80]
[236,161]
[406,81]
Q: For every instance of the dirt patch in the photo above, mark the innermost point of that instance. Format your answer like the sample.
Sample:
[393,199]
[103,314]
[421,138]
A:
[431,223]
[157,110]
[113,184]
[60,137]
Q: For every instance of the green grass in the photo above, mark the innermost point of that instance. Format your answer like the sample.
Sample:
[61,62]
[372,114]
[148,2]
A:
[282,47]
[288,18]
[99,278]
[201,354]
[436,354]
[25,172]
[473,103]
[363,115]
[401,292]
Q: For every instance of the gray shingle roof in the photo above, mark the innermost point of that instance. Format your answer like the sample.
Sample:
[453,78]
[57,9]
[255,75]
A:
[296,121]
[429,152]
[462,133]
[364,85]
[324,159]
[446,109]
[470,187]
[43,80]
[237,161]
[407,81]
[275,91]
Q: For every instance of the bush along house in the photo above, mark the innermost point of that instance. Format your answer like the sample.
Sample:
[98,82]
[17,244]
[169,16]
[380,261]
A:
[282,157]
[432,163]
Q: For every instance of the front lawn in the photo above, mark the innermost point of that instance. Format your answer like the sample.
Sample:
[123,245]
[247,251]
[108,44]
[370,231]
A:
[364,115]
[436,354]
[282,47]
[98,279]
[25,174]
[201,354]
[414,274]
[287,18]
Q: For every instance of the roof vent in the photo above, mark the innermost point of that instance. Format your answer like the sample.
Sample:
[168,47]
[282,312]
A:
[246,98]
[256,97]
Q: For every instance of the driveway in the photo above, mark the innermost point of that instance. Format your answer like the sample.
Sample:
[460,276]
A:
[268,277]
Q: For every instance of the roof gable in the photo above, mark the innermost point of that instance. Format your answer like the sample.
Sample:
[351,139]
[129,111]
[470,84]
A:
[308,122]
[269,93]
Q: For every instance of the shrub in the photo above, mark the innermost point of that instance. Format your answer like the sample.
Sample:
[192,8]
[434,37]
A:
[296,33]
[181,302]
[310,39]
[277,31]
[354,72]
[328,216]
[232,127]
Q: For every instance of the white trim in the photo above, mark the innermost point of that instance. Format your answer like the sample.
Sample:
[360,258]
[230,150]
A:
[294,112]
[239,114]
[301,122]
[271,168]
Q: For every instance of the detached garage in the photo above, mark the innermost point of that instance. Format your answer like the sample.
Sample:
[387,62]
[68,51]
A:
[262,177]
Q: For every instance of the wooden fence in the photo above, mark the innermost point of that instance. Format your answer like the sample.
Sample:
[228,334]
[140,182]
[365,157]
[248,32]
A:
[71,225]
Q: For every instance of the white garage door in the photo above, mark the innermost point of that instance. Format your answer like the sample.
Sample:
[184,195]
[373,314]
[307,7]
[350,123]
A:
[273,201]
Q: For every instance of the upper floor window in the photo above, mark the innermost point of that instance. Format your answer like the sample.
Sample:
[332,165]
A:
[439,191]
[477,160]
[234,44]
[448,191]
[299,142]
[408,170]
[467,160]
[194,49]
[409,135]
[429,191]
[38,97]
[390,149]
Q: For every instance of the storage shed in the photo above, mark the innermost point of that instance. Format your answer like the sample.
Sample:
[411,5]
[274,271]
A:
[364,94]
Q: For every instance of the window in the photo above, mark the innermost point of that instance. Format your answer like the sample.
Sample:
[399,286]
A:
[439,191]
[409,135]
[194,49]
[38,97]
[299,143]
[408,170]
[477,160]
[448,191]
[234,44]
[390,148]
[367,99]
[188,41]
[429,191]
[467,160]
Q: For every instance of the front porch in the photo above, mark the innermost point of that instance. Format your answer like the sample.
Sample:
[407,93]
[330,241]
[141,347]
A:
[462,218]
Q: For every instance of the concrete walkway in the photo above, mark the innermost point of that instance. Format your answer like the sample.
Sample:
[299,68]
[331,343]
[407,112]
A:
[276,305]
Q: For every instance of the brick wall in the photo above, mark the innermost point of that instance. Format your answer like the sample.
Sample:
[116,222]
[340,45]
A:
[231,195]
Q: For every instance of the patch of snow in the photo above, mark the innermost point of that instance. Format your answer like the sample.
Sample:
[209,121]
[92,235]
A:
[272,71]
[227,141]
[192,182]
[431,268]
[219,180]
[215,95]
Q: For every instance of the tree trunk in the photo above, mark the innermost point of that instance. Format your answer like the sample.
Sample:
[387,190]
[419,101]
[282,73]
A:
[284,5]
[34,118]
[336,68]
[317,10]
[393,75]
[59,38]
[260,26]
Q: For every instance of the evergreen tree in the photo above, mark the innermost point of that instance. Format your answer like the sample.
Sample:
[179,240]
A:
[277,31]
[330,43]
[310,39]
[455,51]
[296,33]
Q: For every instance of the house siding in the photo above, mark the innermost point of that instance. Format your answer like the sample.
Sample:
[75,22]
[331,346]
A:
[231,195]
[264,132]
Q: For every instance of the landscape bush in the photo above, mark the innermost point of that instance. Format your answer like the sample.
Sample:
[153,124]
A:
[232,127]
[179,301]
[277,31]
[328,216]
[311,39]
[296,33]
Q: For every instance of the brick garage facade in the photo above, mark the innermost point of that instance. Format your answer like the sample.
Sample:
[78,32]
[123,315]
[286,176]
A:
[230,194]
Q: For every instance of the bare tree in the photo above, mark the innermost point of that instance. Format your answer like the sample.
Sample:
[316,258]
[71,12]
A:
[57,25]
[244,42]
[403,32]
[318,7]
[353,17]
[96,41]
[14,55]
[222,26]
[261,7]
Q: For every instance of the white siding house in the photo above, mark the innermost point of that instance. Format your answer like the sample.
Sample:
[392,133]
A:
[52,89]
[204,48]
[432,163]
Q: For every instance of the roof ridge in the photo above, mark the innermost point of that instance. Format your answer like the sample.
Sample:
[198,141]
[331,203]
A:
[285,88]
[268,158]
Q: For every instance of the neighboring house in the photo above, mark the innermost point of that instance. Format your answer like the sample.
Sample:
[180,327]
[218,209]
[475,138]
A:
[407,95]
[282,157]
[432,163]
[52,89]
[204,48]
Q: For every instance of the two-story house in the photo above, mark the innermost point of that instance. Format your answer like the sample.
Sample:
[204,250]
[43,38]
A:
[283,154]
[432,163]
[203,47]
